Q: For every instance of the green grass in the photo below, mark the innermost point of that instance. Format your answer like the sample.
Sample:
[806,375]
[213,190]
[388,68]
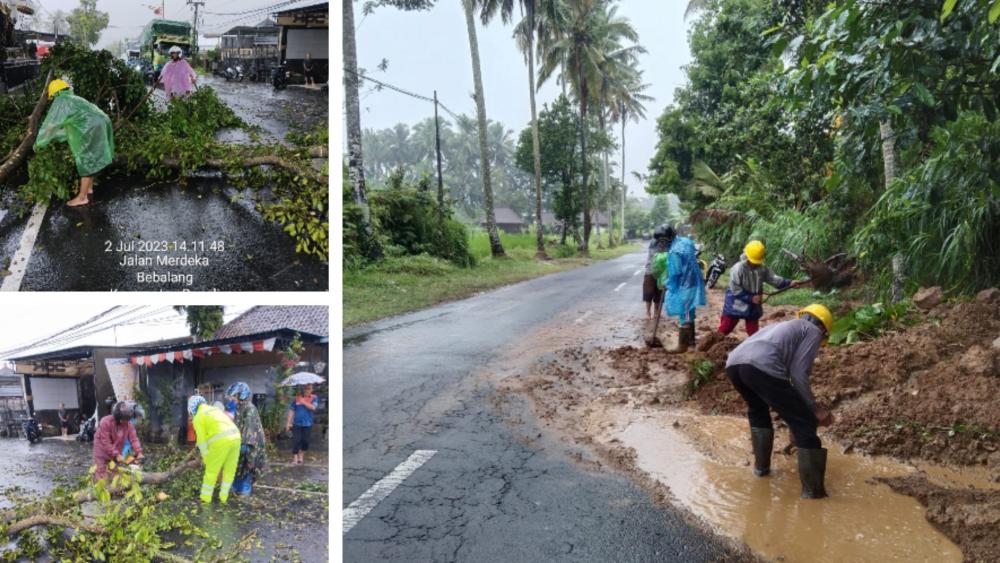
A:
[403,284]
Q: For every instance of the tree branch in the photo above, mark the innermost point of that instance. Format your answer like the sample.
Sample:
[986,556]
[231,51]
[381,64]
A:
[13,160]
[49,520]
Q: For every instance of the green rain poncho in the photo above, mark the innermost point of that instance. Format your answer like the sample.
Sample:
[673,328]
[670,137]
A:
[84,126]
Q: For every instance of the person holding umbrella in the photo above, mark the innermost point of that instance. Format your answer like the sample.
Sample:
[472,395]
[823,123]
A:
[300,413]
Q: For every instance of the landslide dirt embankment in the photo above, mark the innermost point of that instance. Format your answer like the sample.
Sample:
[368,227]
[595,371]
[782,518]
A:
[930,392]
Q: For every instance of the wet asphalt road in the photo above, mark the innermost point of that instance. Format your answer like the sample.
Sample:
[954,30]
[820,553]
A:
[203,220]
[410,383]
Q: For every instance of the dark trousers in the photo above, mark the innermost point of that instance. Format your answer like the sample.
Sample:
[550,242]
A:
[762,391]
[300,438]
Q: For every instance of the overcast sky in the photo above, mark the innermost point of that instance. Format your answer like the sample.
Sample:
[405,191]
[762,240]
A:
[129,16]
[34,322]
[430,50]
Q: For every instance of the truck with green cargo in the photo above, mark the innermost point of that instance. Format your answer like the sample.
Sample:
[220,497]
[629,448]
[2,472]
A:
[159,36]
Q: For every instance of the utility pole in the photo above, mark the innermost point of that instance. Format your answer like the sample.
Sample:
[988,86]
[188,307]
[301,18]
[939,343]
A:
[437,143]
[194,27]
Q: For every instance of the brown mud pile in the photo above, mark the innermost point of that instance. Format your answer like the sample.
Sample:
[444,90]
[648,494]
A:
[971,518]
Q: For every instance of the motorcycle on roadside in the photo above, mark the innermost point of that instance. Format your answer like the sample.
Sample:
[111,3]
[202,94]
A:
[234,73]
[279,77]
[32,431]
[87,430]
[715,270]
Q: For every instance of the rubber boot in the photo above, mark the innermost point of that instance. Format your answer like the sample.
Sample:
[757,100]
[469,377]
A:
[690,335]
[763,442]
[812,470]
[682,339]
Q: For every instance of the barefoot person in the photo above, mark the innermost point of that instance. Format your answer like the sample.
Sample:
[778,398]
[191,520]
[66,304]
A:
[308,70]
[85,128]
[770,370]
[177,76]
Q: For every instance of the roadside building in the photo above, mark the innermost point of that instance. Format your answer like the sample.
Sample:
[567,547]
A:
[305,30]
[18,64]
[12,405]
[79,377]
[247,349]
[507,220]
[255,48]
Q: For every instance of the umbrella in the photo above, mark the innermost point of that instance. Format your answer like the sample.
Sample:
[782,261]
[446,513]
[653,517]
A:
[302,378]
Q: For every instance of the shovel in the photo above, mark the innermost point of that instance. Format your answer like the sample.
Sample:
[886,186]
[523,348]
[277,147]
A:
[773,293]
[652,341]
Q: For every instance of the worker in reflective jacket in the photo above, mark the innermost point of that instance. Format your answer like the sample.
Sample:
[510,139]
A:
[218,441]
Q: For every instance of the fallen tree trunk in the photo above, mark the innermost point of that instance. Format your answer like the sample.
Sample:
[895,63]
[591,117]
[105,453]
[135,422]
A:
[16,157]
[144,479]
[48,520]
[253,161]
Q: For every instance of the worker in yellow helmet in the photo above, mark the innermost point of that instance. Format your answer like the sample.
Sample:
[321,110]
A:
[219,443]
[85,128]
[770,370]
[744,294]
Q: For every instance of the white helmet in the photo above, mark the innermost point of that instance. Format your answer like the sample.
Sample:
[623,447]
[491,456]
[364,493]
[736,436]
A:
[176,49]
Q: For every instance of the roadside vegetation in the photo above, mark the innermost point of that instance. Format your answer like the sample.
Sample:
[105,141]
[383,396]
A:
[868,128]
[401,284]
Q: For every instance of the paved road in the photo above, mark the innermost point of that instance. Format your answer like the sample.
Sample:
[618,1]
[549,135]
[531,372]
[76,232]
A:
[411,383]
[214,237]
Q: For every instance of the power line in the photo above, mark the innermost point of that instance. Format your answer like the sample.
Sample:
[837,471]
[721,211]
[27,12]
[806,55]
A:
[88,328]
[403,91]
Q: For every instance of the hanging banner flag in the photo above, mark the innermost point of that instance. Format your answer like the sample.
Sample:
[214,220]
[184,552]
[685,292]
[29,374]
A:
[123,377]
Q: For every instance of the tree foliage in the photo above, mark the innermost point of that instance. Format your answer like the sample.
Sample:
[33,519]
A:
[779,133]
[86,22]
[202,320]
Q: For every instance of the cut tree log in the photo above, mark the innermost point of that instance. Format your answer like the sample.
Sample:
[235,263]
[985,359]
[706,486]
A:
[48,520]
[833,272]
[16,157]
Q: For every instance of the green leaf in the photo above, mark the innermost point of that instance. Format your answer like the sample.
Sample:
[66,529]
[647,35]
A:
[994,14]
[923,94]
[946,9]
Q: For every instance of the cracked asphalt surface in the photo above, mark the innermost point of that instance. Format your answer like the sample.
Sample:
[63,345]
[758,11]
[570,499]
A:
[490,493]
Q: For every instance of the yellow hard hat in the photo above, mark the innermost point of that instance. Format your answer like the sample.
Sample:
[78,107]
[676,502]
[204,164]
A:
[57,86]
[754,251]
[821,313]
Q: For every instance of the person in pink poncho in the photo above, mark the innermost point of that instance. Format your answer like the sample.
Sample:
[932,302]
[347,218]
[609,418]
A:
[113,432]
[177,76]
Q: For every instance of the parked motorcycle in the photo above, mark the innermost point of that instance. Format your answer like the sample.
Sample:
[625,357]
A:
[234,73]
[715,270]
[87,430]
[32,431]
[279,77]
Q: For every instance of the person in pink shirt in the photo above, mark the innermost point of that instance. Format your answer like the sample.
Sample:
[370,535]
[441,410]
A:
[177,76]
[113,432]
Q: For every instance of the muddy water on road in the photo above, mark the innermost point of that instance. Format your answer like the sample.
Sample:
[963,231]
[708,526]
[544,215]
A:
[705,461]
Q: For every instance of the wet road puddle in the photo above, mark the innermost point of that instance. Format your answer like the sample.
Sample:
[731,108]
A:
[706,463]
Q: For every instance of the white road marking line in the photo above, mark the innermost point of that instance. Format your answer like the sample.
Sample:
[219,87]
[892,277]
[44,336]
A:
[621,285]
[584,316]
[19,263]
[637,272]
[383,488]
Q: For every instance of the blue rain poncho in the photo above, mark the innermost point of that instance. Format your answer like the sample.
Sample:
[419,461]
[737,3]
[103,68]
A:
[84,126]
[678,271]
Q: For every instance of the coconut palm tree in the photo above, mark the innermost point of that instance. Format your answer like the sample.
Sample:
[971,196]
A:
[587,30]
[536,13]
[627,103]
[496,249]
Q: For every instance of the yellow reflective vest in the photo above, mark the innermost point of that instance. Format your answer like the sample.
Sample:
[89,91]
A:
[211,425]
